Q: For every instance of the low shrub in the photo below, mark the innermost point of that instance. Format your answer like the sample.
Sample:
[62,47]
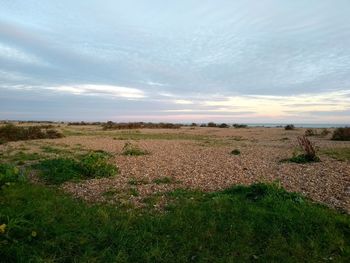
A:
[289,127]
[132,150]
[310,132]
[9,174]
[235,152]
[211,124]
[341,134]
[325,132]
[138,125]
[11,132]
[238,126]
[223,125]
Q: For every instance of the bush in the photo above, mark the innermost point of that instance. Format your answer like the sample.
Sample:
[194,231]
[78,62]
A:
[211,124]
[236,152]
[310,132]
[10,132]
[237,126]
[139,125]
[341,134]
[325,132]
[132,150]
[9,174]
[223,125]
[289,127]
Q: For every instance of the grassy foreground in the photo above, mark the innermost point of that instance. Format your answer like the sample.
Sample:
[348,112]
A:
[260,223]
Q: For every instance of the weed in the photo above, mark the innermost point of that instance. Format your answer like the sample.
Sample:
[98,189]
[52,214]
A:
[132,150]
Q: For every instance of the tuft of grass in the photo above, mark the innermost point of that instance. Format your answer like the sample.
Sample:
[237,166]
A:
[90,165]
[134,181]
[260,223]
[132,150]
[341,154]
[235,152]
[164,180]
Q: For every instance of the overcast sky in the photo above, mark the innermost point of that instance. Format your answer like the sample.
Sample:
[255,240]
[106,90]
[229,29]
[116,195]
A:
[180,61]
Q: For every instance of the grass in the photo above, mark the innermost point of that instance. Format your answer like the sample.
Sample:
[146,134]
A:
[62,169]
[55,150]
[260,223]
[164,180]
[133,150]
[22,157]
[341,154]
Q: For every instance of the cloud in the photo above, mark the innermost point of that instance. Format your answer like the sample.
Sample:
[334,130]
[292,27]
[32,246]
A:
[184,102]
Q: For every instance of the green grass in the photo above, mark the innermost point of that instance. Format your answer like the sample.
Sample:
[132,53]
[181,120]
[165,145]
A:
[22,157]
[259,223]
[55,150]
[62,169]
[164,180]
[341,154]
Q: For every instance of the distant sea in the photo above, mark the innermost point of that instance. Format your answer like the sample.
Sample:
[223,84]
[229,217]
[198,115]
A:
[300,125]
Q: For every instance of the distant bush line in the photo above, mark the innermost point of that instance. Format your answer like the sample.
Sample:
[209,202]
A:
[11,132]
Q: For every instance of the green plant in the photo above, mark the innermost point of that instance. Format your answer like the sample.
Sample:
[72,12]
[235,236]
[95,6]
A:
[132,150]
[9,174]
[235,152]
[95,165]
[309,154]
[341,134]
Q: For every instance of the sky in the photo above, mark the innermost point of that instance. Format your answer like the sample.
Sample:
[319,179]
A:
[266,61]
